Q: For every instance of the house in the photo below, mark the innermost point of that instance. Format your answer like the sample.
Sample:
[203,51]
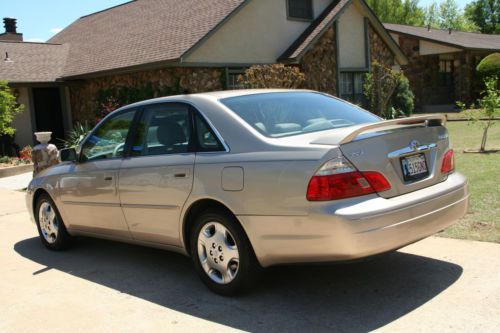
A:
[442,64]
[148,48]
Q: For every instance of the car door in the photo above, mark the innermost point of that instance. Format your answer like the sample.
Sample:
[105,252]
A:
[89,193]
[156,180]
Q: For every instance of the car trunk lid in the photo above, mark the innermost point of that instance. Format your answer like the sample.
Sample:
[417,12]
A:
[408,152]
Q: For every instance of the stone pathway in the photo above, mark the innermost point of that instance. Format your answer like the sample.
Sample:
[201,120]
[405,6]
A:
[16,183]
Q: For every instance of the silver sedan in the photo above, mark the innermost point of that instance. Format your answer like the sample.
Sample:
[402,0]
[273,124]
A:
[243,180]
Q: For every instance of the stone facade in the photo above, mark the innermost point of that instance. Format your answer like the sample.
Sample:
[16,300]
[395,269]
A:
[84,95]
[319,64]
[423,73]
[379,51]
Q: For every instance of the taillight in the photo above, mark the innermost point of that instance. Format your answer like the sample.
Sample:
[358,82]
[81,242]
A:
[448,164]
[338,179]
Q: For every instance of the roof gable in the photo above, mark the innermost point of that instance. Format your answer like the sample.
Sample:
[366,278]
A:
[325,20]
[461,39]
[140,32]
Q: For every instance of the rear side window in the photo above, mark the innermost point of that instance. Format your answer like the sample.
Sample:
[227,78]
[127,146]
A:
[206,139]
[164,129]
[293,113]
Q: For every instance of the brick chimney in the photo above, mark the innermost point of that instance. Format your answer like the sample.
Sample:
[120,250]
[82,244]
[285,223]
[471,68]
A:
[11,33]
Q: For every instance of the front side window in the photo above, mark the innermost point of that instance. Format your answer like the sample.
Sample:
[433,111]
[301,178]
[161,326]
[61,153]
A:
[293,113]
[300,9]
[163,129]
[108,140]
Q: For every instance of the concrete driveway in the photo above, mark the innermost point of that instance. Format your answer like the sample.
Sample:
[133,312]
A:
[435,285]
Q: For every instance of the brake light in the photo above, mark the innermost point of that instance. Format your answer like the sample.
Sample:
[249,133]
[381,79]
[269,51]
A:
[338,179]
[448,162]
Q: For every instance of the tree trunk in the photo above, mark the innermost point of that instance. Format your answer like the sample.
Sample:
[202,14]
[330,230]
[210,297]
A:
[485,136]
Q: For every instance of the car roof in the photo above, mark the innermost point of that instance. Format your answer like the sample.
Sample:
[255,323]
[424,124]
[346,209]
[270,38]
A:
[214,95]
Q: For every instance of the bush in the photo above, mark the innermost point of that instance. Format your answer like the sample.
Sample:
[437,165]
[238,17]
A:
[9,108]
[489,66]
[388,92]
[26,153]
[272,76]
[76,135]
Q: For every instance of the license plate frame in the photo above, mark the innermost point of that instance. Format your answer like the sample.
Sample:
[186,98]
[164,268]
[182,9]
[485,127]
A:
[410,162]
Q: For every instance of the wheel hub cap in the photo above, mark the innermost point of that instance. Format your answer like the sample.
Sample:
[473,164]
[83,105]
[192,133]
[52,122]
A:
[218,253]
[48,222]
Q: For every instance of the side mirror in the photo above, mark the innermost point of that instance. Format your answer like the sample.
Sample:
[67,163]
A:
[68,155]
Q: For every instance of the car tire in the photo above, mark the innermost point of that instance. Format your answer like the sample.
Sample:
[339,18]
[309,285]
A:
[213,253]
[50,225]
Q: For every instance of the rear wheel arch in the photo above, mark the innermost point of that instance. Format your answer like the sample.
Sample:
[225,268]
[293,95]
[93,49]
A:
[197,208]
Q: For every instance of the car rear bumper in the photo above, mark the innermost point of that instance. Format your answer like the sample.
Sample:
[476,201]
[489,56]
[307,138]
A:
[352,229]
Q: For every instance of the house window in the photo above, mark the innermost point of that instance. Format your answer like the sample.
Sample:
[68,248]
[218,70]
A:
[445,73]
[300,9]
[351,87]
[232,78]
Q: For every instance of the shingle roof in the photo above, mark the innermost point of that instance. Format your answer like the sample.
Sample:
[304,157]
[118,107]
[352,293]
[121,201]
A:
[467,40]
[140,32]
[329,15]
[32,62]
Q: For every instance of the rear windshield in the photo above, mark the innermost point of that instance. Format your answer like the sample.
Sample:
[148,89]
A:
[293,113]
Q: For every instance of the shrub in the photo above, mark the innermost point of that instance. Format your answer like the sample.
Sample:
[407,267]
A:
[9,108]
[26,153]
[489,66]
[272,76]
[388,92]
[76,135]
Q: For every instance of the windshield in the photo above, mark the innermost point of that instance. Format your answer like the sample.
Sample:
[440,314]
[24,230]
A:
[292,113]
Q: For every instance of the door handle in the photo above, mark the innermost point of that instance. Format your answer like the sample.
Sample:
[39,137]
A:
[180,175]
[108,178]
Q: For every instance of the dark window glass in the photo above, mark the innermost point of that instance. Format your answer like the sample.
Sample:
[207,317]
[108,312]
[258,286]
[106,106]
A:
[293,113]
[108,140]
[351,87]
[163,129]
[233,74]
[446,73]
[300,9]
[207,141]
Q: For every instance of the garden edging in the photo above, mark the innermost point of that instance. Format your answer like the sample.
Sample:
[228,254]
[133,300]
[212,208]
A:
[15,170]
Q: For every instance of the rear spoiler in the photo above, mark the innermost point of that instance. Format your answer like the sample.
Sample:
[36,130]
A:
[435,120]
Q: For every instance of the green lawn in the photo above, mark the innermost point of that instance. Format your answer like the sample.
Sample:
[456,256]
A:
[483,171]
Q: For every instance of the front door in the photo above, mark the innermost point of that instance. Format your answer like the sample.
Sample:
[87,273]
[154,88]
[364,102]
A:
[89,193]
[156,180]
[48,112]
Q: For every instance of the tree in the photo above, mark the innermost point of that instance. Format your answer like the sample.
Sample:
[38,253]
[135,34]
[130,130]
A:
[451,17]
[397,11]
[431,16]
[485,14]
[490,104]
[9,108]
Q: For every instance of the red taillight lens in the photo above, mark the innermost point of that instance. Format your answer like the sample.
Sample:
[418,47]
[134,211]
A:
[448,162]
[345,185]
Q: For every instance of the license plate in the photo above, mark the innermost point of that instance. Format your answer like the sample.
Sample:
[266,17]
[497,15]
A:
[414,167]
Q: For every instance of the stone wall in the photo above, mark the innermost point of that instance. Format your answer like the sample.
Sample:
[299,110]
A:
[85,95]
[423,74]
[379,51]
[319,64]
